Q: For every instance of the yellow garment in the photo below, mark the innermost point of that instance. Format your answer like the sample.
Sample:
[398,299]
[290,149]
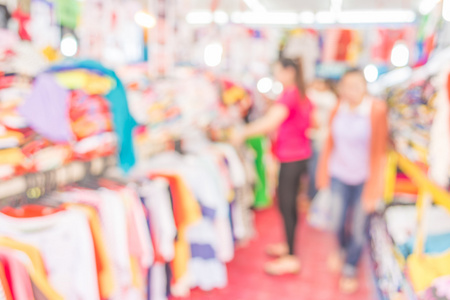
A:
[12,156]
[90,83]
[50,53]
[104,265]
[425,268]
[137,278]
[12,135]
[136,275]
[36,270]
[233,95]
[354,49]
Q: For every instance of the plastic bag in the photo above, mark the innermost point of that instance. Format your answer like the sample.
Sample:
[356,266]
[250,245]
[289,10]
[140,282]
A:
[322,211]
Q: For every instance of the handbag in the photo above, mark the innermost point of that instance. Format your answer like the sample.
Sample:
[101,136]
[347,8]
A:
[321,213]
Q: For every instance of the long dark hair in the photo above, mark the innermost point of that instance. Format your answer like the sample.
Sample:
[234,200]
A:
[297,65]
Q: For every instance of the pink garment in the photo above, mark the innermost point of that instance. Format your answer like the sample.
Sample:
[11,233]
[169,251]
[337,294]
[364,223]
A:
[330,46]
[20,281]
[292,144]
[140,244]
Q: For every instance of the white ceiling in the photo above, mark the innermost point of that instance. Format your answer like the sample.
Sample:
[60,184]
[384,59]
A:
[302,5]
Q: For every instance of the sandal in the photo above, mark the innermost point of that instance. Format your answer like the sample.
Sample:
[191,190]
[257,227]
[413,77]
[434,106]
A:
[286,265]
[277,250]
[335,263]
[348,285]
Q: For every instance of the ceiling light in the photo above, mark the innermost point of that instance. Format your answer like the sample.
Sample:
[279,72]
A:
[220,17]
[307,17]
[200,17]
[265,85]
[371,73]
[426,6]
[144,19]
[69,45]
[376,16]
[255,5]
[336,6]
[325,17]
[213,54]
[400,55]
[446,10]
[265,18]
[236,17]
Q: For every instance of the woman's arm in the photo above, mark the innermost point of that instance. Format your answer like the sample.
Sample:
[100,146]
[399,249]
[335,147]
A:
[274,117]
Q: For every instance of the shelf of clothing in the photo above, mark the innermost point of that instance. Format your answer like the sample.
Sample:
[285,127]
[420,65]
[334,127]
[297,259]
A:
[429,192]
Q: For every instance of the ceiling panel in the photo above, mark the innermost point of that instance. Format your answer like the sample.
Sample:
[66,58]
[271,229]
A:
[296,5]
[301,5]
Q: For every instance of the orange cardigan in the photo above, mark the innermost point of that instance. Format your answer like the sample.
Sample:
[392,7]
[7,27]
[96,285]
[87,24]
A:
[374,187]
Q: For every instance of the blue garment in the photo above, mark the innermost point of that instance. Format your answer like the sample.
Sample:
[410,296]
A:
[123,121]
[351,232]
[435,244]
[203,251]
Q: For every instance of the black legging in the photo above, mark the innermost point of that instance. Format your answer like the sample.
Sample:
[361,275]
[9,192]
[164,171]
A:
[288,187]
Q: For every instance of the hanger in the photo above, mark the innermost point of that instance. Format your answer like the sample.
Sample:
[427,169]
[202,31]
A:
[89,181]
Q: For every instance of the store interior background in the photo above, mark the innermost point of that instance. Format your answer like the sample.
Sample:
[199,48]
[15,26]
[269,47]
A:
[188,66]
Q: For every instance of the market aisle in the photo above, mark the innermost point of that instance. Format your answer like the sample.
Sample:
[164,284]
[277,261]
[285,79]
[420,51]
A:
[248,282]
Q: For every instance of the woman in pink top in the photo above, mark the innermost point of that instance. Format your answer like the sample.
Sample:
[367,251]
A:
[290,118]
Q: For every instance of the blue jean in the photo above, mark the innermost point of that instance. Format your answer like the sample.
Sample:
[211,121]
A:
[312,190]
[352,223]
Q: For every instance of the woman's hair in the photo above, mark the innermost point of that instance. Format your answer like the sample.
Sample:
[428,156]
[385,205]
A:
[354,71]
[331,85]
[297,65]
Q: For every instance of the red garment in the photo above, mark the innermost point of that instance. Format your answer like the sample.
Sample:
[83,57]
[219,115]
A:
[6,81]
[23,20]
[17,276]
[4,282]
[381,51]
[89,114]
[344,41]
[30,211]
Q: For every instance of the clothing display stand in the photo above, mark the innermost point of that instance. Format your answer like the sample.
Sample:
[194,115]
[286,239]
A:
[421,156]
[36,185]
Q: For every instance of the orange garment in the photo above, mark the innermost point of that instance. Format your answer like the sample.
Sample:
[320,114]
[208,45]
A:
[4,283]
[374,186]
[9,134]
[103,263]
[137,278]
[37,270]
[186,211]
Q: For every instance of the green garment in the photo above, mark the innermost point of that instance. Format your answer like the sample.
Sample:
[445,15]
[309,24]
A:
[262,197]
[67,12]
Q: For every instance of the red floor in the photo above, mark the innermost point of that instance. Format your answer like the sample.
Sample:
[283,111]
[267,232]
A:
[247,281]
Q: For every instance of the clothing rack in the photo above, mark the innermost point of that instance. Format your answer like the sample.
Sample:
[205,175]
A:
[36,185]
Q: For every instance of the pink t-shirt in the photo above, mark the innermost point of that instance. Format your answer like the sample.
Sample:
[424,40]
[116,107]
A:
[292,144]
